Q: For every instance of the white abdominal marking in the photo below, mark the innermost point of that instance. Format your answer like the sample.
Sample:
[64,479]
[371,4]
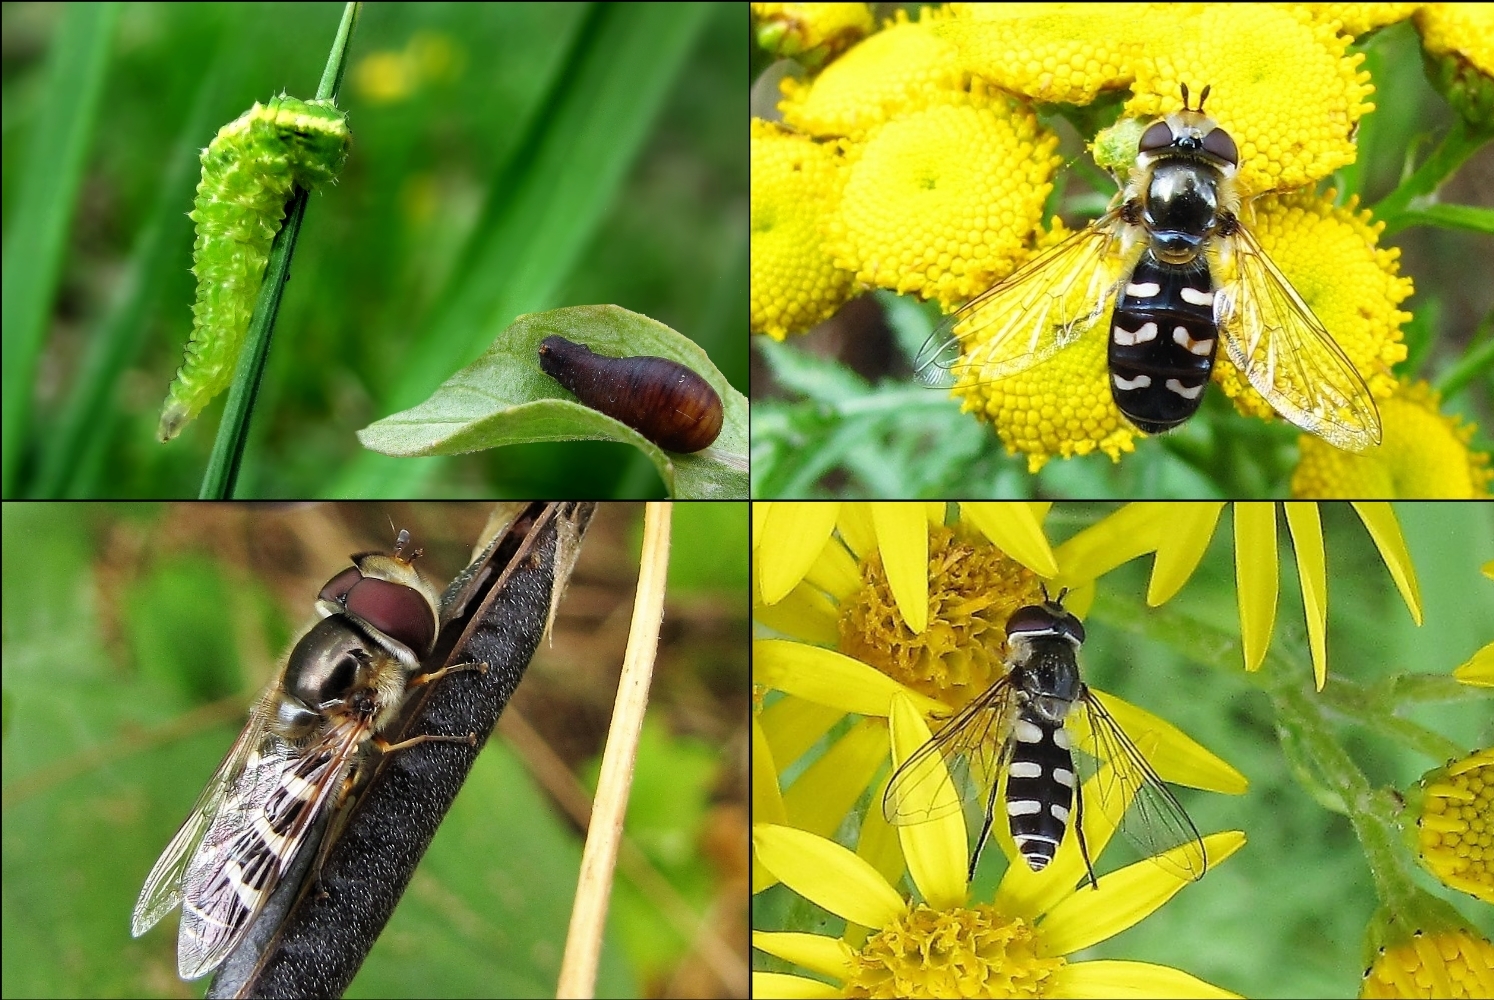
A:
[1203,348]
[1125,337]
[1139,382]
[1177,387]
[1193,296]
[1026,769]
[1144,290]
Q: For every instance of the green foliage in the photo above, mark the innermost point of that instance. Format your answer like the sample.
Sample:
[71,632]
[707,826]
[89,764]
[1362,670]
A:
[507,159]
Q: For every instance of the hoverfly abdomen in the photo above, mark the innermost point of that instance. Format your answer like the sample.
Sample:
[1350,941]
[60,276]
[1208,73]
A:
[1039,789]
[1162,343]
[666,402]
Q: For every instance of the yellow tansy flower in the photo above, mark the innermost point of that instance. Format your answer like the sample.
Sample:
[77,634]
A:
[943,201]
[1361,18]
[794,283]
[811,32]
[1455,824]
[1282,85]
[1351,285]
[899,69]
[1424,454]
[1458,39]
[1062,407]
[1052,53]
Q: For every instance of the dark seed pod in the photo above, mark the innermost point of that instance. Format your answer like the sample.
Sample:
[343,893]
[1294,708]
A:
[666,402]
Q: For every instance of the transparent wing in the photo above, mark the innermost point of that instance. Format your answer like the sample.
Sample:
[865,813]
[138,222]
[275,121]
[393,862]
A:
[973,744]
[1152,818]
[1043,307]
[250,846]
[1272,336]
[163,886]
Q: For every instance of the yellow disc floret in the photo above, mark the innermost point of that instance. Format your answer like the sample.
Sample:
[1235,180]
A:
[1361,18]
[943,201]
[1455,828]
[901,68]
[1425,454]
[1281,84]
[1353,287]
[794,283]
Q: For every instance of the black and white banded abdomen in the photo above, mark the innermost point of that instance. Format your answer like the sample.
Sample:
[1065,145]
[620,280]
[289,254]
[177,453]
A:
[1039,789]
[1162,343]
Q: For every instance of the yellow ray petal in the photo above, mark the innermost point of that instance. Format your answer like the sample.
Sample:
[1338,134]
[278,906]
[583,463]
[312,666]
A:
[1257,577]
[780,986]
[820,798]
[1385,530]
[826,955]
[1312,569]
[1137,980]
[829,678]
[1016,530]
[903,539]
[935,850]
[793,535]
[1180,547]
[827,874]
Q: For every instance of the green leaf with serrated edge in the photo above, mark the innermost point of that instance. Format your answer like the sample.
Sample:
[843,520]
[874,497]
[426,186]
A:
[504,398]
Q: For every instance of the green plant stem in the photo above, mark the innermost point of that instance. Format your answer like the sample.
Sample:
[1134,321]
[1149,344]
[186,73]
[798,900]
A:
[1402,206]
[222,473]
[1474,364]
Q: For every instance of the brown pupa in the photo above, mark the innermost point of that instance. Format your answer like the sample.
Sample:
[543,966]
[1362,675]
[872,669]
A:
[666,402]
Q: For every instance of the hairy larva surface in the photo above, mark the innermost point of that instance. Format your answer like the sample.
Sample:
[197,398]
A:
[248,171]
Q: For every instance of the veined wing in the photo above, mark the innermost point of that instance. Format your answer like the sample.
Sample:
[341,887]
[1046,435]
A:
[1272,336]
[248,848]
[163,886]
[973,744]
[1043,307]
[1151,817]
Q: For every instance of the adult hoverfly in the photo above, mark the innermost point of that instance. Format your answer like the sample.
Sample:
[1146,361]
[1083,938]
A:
[1184,274]
[1019,729]
[340,684]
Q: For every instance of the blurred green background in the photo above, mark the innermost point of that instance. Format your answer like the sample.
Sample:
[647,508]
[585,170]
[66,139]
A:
[135,636]
[507,158]
[1286,915]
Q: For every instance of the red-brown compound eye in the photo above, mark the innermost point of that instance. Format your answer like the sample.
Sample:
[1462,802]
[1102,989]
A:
[398,611]
[1158,136]
[337,588]
[1221,144]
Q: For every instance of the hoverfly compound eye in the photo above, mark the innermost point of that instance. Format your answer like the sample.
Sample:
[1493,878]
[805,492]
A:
[1032,620]
[337,588]
[1221,144]
[398,611]
[1158,136]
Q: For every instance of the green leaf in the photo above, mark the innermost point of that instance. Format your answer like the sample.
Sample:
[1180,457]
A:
[503,398]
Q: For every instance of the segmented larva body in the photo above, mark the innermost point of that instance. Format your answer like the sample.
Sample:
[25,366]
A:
[248,171]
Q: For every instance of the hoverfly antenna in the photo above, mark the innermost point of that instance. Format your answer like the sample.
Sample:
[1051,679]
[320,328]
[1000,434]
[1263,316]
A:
[1204,96]
[1184,88]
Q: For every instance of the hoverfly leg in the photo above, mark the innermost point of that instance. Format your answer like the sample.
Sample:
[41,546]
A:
[985,830]
[1079,831]
[435,675]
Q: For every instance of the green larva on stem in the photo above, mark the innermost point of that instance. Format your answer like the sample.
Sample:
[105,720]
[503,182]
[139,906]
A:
[248,171]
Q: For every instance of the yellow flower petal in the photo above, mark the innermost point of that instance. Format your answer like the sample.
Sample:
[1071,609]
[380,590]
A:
[793,535]
[827,874]
[1015,529]
[1130,979]
[935,850]
[1256,575]
[778,986]
[835,572]
[1175,756]
[828,677]
[903,540]
[1385,530]
[1123,899]
[806,614]
[1479,669]
[1131,531]
[1312,570]
[767,800]
[820,798]
[856,528]
[1181,548]
[793,725]
[826,955]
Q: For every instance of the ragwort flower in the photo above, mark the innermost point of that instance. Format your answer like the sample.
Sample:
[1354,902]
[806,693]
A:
[1425,454]
[857,645]
[795,283]
[1458,43]
[1426,951]
[948,946]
